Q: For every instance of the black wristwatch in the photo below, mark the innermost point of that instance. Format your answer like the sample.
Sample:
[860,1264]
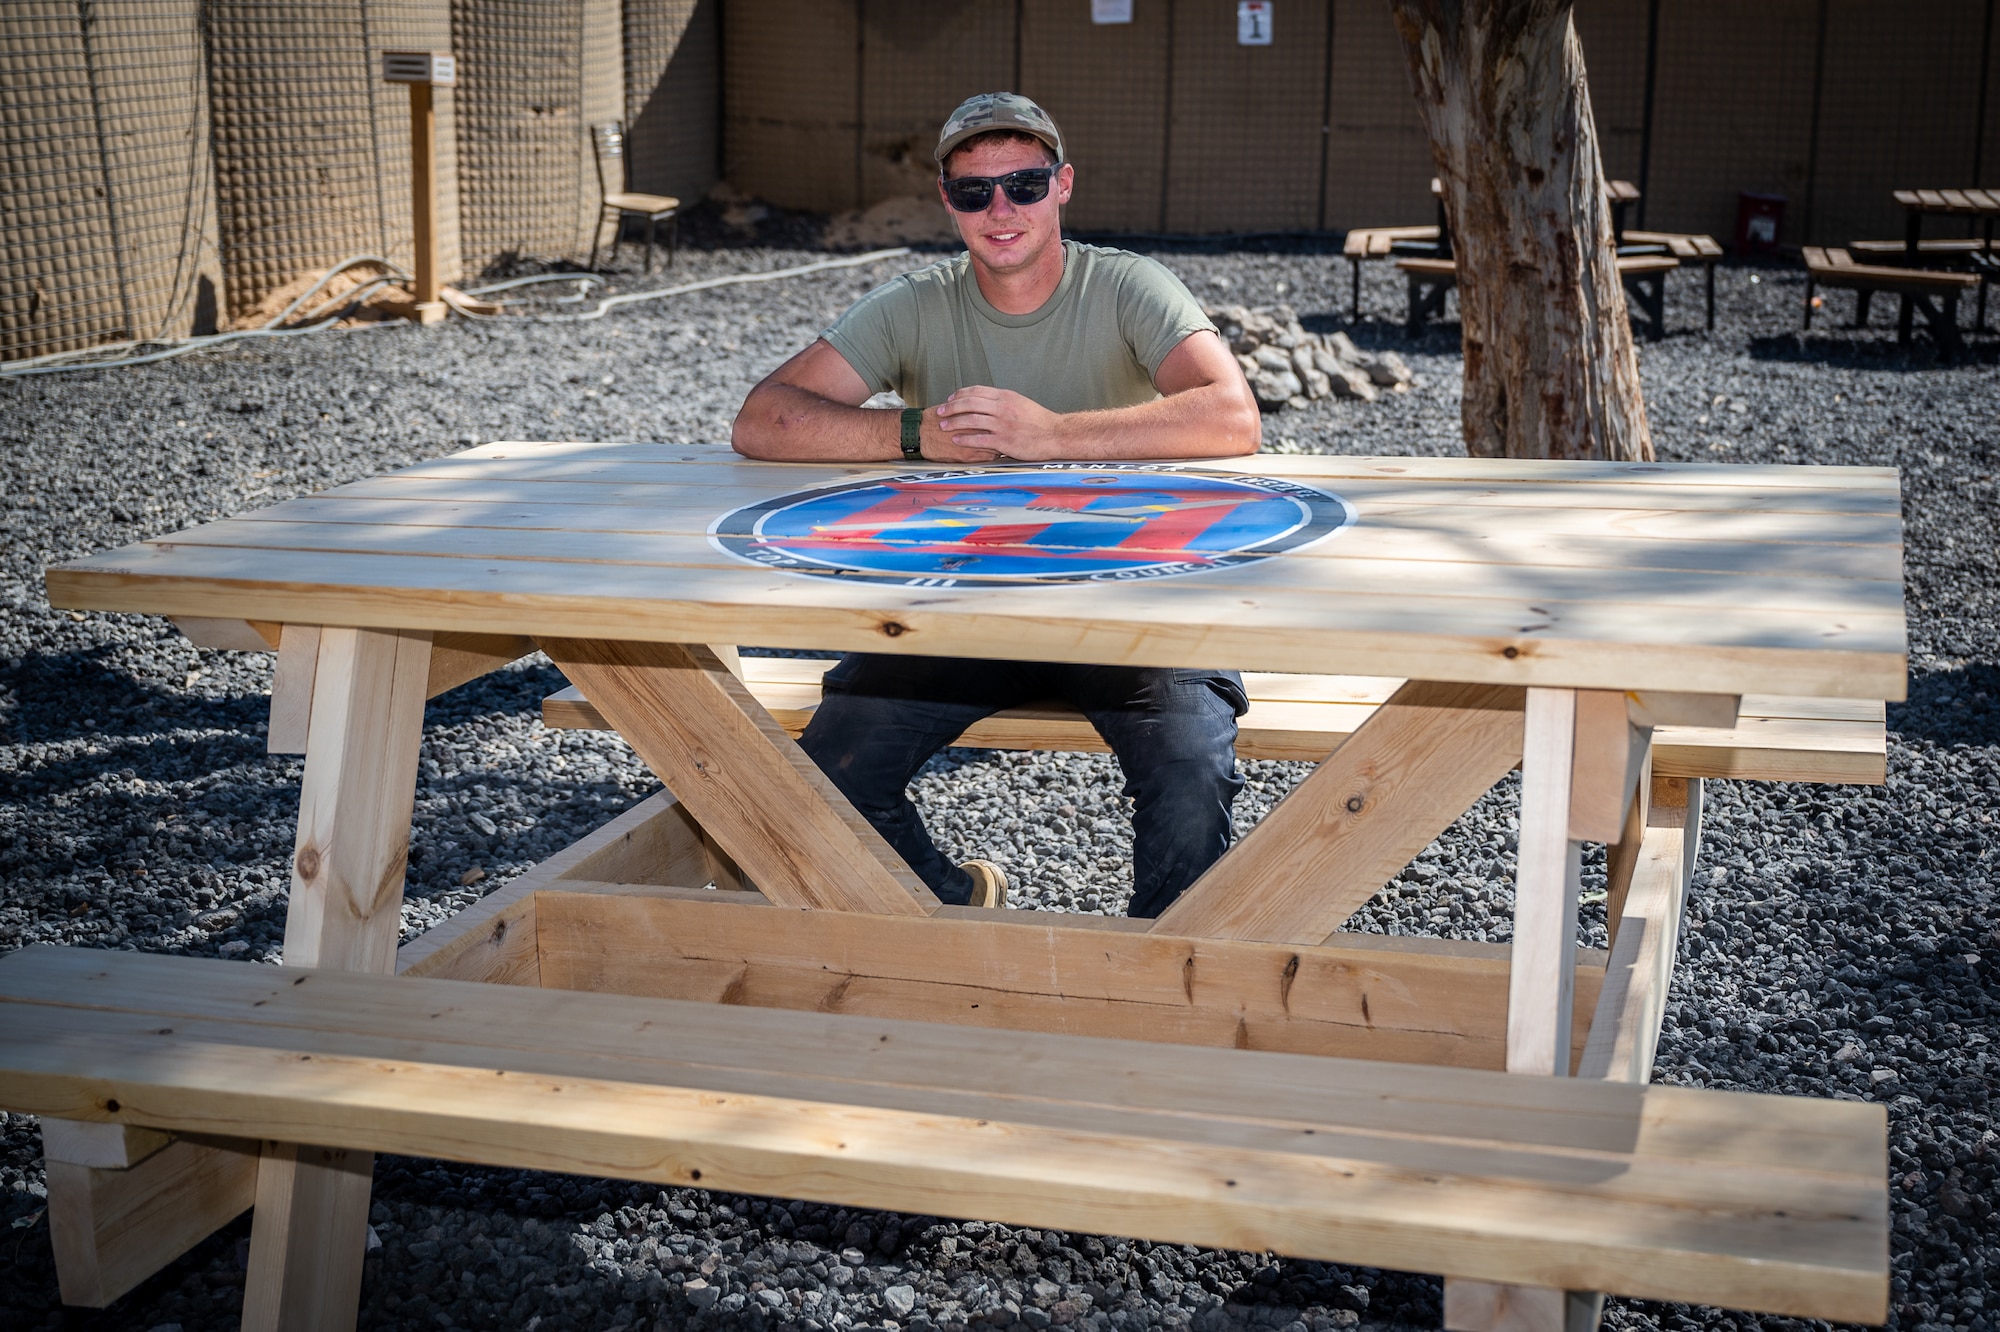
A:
[913,426]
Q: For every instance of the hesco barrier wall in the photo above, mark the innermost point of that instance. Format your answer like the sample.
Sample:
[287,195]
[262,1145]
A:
[535,75]
[1174,126]
[106,204]
[673,96]
[311,147]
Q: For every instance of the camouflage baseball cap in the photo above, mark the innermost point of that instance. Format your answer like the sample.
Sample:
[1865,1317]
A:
[988,112]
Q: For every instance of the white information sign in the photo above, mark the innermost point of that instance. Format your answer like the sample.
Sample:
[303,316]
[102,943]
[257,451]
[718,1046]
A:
[1253,22]
[1110,11]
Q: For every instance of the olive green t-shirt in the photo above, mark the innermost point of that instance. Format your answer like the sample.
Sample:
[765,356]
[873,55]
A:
[1094,344]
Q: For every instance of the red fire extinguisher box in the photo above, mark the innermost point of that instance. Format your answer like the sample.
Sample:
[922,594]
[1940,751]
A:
[1759,220]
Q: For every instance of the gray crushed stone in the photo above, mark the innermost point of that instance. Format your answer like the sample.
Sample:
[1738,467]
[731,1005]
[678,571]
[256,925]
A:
[1841,941]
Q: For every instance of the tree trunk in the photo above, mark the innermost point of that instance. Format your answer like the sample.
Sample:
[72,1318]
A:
[1550,367]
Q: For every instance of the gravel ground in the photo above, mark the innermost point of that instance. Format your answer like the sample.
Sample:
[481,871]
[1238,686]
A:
[1841,941]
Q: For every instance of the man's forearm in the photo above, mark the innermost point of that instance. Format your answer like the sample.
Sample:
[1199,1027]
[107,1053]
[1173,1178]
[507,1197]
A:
[783,423]
[1206,422]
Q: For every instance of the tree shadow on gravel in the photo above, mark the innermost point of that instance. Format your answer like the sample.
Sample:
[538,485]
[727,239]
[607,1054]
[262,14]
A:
[70,695]
[1960,706]
[1873,349]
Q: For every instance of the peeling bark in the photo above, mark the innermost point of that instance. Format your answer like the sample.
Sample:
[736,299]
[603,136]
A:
[1550,366]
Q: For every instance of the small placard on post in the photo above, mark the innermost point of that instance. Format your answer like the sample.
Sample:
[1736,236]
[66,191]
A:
[1253,22]
[437,68]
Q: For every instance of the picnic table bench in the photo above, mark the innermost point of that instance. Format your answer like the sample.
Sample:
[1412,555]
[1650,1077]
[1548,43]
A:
[1929,292]
[610,1011]
[1643,275]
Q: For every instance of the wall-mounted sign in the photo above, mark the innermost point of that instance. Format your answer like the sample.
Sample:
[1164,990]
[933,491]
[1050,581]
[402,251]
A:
[1110,11]
[1253,22]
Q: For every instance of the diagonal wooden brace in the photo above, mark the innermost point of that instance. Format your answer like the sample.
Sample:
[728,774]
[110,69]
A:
[1403,777]
[745,781]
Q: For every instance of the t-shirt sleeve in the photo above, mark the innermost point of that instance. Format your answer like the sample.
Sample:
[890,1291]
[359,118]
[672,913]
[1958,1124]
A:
[1156,312]
[875,332]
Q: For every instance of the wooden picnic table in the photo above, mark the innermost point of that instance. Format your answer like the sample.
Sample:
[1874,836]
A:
[1544,614]
[1983,204]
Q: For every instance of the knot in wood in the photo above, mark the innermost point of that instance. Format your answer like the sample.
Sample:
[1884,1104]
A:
[894,629]
[307,862]
[1355,803]
[1510,652]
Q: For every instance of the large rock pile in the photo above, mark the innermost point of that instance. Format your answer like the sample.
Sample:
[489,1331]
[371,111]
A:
[1289,367]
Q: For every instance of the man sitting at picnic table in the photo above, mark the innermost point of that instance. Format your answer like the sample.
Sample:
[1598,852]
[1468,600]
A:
[1026,348]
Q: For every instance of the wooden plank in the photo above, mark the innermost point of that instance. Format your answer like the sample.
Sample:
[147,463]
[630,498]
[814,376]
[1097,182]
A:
[292,689]
[1794,545]
[1621,858]
[1461,468]
[1625,1026]
[1385,794]
[458,659]
[1358,997]
[1766,743]
[1609,753]
[101,1146]
[626,556]
[111,1229]
[228,635]
[745,781]
[1219,618]
[494,939]
[308,1238]
[1486,1306]
[1655,1192]
[1540,993]
[355,799]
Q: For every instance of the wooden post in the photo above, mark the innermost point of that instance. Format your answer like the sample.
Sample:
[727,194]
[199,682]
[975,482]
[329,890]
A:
[360,779]
[423,203]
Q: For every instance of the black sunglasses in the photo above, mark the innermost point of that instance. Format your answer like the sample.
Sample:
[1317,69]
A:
[974,194]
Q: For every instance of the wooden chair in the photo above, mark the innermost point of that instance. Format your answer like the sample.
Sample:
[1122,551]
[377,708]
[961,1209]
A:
[619,202]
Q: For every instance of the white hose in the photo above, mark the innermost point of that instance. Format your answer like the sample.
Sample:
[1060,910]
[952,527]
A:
[60,362]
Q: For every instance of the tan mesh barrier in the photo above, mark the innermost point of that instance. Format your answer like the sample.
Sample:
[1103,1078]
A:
[1106,85]
[311,146]
[1613,33]
[1732,110]
[919,59]
[535,75]
[1864,153]
[106,196]
[1378,161]
[1243,152]
[790,90]
[673,96]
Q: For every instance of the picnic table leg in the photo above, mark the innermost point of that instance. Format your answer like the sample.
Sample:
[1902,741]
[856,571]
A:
[311,1221]
[1709,267]
[1541,982]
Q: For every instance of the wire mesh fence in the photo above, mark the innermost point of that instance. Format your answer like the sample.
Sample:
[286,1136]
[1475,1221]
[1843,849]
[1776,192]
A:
[106,201]
[673,95]
[154,146]
[311,147]
[535,76]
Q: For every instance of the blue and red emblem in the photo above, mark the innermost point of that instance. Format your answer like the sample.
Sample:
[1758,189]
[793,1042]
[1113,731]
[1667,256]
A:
[1063,523]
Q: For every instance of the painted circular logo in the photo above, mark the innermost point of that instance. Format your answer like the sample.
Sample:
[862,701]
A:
[1064,523]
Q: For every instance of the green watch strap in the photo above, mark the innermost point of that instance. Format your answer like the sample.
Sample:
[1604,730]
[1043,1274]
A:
[913,425]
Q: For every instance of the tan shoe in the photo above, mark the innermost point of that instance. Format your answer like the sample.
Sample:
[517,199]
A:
[989,883]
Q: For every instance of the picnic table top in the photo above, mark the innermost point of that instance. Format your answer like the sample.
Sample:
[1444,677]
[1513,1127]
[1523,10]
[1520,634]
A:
[1700,578]
[1983,202]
